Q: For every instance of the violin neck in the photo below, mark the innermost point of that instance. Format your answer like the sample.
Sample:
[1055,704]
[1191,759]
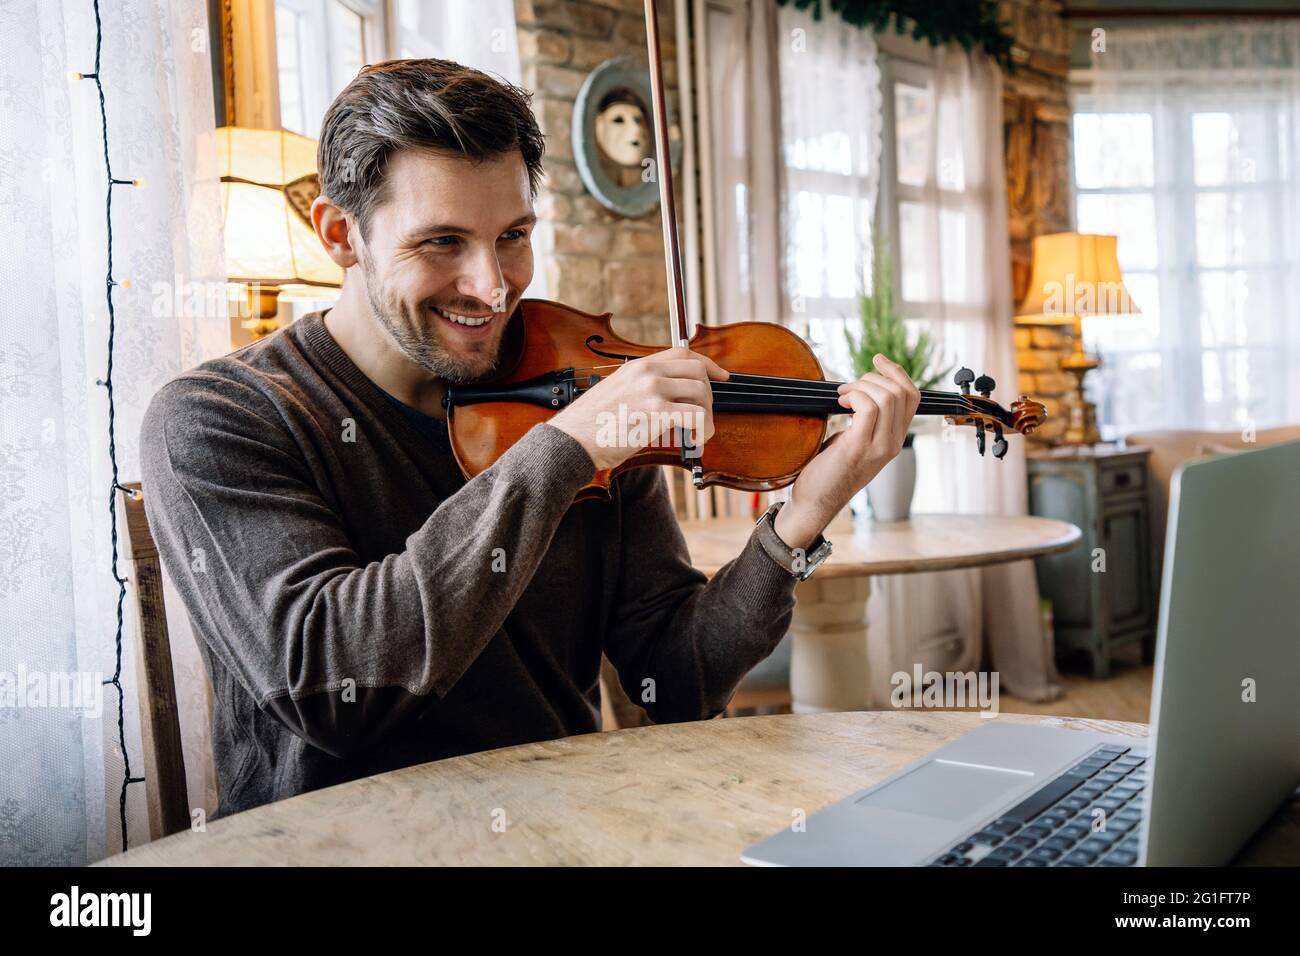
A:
[769,394]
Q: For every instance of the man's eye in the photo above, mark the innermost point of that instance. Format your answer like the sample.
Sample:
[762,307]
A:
[443,241]
[513,235]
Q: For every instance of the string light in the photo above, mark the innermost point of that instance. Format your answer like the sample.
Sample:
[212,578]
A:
[107,382]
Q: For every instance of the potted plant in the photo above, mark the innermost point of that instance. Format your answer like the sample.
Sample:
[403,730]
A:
[880,329]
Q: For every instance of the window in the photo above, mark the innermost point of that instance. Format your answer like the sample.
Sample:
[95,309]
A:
[926,197]
[832,179]
[320,45]
[1192,192]
[923,209]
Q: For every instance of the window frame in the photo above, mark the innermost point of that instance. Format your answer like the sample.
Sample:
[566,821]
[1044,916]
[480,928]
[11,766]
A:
[375,17]
[1178,268]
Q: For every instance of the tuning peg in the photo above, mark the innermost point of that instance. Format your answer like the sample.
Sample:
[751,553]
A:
[963,378]
[999,443]
[979,438]
[985,385]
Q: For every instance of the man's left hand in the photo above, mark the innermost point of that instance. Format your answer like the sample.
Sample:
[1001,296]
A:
[883,403]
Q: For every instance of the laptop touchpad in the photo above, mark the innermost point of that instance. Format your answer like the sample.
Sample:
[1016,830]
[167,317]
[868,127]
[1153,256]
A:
[948,790]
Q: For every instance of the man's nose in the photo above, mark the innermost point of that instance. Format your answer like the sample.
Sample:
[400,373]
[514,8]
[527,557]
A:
[483,279]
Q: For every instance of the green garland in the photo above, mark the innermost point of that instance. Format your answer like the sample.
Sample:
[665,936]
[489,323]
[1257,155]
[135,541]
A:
[971,23]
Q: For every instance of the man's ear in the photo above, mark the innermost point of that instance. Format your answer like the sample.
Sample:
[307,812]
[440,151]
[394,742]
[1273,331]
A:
[334,230]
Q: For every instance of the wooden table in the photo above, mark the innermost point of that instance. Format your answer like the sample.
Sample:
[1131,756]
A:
[678,794]
[828,667]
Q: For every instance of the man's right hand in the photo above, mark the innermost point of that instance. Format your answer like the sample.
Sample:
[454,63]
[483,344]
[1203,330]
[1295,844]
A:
[662,391]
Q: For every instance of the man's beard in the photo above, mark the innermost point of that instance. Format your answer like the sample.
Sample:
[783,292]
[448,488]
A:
[420,343]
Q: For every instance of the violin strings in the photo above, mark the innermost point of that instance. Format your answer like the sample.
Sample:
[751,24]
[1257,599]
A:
[743,383]
[809,389]
[942,406]
[758,392]
[820,392]
[946,401]
[775,381]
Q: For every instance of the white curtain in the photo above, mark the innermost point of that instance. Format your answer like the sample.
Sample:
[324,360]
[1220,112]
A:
[814,188]
[795,118]
[744,174]
[62,769]
[1186,144]
[831,148]
[480,34]
[955,276]
[793,221]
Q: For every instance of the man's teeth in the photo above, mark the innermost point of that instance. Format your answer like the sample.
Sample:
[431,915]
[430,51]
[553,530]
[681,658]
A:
[464,319]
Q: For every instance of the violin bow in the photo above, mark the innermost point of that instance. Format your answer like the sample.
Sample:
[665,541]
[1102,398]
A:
[678,325]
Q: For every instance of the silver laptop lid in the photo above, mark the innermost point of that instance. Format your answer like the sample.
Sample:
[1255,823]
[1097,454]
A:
[1225,709]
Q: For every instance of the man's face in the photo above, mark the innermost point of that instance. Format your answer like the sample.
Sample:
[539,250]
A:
[448,255]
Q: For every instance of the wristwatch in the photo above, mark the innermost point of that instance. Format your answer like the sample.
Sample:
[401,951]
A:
[798,562]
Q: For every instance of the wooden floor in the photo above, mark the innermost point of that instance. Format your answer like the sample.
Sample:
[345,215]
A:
[1125,695]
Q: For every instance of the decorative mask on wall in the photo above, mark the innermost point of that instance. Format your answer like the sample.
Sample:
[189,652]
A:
[613,140]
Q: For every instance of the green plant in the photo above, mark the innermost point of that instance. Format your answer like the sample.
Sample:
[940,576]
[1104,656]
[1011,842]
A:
[970,23]
[881,329]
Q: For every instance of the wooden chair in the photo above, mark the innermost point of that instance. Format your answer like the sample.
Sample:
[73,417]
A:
[160,732]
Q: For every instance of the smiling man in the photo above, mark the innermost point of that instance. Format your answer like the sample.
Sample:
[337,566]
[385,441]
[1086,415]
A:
[359,605]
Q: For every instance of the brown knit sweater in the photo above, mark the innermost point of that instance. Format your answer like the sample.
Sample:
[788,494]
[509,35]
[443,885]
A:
[361,607]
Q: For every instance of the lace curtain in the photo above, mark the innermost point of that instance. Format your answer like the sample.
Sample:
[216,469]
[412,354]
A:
[62,769]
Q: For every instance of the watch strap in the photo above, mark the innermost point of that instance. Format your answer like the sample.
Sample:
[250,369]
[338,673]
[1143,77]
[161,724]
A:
[798,564]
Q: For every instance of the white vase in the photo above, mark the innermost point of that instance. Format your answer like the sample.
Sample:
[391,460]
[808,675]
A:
[890,492]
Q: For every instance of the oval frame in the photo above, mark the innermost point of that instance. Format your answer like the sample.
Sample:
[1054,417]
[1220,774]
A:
[616,73]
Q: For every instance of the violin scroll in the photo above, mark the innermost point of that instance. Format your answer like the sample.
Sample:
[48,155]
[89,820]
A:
[1027,415]
[982,412]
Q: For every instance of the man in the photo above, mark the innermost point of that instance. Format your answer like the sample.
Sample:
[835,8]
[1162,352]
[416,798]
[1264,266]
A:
[361,607]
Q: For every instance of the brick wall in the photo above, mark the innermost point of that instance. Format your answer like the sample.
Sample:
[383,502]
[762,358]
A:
[1036,117]
[592,259]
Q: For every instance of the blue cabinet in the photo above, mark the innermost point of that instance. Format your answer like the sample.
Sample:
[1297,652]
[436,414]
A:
[1102,592]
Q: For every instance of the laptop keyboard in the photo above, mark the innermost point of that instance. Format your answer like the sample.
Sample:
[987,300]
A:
[1054,826]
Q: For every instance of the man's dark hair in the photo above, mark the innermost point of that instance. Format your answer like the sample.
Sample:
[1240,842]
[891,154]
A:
[424,104]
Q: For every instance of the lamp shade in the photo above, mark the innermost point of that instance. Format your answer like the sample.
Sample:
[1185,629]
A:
[1074,275]
[268,183]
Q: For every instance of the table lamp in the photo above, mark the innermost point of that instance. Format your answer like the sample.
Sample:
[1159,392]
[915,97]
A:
[1075,275]
[268,183]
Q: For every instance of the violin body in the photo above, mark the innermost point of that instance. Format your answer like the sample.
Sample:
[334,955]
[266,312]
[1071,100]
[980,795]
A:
[749,451]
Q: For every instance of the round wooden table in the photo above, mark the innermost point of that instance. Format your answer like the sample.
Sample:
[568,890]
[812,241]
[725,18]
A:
[828,667]
[678,794]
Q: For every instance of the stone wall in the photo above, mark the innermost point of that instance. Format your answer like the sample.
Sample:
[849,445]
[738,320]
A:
[592,259]
[1037,132]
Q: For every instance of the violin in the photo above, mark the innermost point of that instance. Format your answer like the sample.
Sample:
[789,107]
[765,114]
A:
[770,416]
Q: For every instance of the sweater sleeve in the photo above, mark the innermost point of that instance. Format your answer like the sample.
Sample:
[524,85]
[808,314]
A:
[340,651]
[681,642]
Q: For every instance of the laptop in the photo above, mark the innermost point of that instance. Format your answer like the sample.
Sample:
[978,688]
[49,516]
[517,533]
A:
[1224,748]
